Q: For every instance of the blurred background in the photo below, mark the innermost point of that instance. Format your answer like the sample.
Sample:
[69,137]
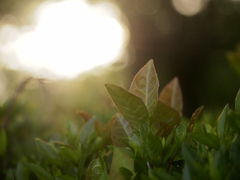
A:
[73,47]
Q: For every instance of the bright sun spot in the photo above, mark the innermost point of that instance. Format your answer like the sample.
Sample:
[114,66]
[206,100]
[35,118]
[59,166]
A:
[72,37]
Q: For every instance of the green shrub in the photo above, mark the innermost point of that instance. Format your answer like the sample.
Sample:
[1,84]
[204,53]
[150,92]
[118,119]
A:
[147,139]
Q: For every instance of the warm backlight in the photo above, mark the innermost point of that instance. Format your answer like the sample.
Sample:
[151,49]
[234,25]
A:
[72,37]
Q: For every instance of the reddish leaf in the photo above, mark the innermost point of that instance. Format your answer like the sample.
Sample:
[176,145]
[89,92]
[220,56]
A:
[194,118]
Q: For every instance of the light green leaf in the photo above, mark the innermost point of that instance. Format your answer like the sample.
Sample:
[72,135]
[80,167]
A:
[86,131]
[120,159]
[194,118]
[145,85]
[130,106]
[3,142]
[237,102]
[222,122]
[171,95]
[94,170]
[41,172]
[121,131]
[181,132]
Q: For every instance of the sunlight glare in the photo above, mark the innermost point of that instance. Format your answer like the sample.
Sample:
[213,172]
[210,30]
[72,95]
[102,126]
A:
[72,37]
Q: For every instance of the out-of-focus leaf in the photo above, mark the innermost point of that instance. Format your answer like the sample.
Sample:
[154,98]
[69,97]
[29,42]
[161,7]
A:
[160,174]
[120,159]
[145,85]
[104,131]
[121,131]
[166,118]
[41,172]
[171,95]
[209,140]
[47,148]
[126,173]
[235,149]
[180,133]
[222,122]
[21,172]
[86,131]
[234,120]
[194,118]
[154,148]
[85,116]
[140,164]
[237,102]
[95,170]
[55,171]
[131,107]
[3,142]
[65,177]
[68,153]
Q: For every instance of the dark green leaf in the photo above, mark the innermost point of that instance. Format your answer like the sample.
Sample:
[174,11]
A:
[94,170]
[145,85]
[41,172]
[121,131]
[3,142]
[46,148]
[126,173]
[68,153]
[160,174]
[171,95]
[130,106]
[154,148]
[166,118]
[237,102]
[222,122]
[180,133]
[209,140]
[194,118]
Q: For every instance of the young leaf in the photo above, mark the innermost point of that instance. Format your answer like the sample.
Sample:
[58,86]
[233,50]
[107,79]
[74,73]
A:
[237,102]
[222,122]
[86,131]
[209,140]
[121,131]
[130,106]
[94,170]
[145,85]
[181,132]
[120,159]
[171,95]
[194,118]
[166,118]
[39,171]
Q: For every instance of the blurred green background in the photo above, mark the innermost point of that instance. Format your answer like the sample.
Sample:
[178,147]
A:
[197,42]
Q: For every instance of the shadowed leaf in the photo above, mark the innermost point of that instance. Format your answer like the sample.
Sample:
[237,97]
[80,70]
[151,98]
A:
[222,122]
[194,117]
[39,171]
[120,159]
[171,95]
[121,131]
[166,118]
[130,106]
[145,85]
[237,102]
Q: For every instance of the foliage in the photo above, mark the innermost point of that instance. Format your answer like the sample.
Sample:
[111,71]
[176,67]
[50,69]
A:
[147,139]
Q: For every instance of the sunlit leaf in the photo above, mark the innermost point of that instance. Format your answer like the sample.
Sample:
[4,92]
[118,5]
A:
[166,118]
[121,131]
[237,102]
[39,171]
[194,118]
[86,131]
[145,85]
[120,159]
[130,106]
[222,122]
[171,95]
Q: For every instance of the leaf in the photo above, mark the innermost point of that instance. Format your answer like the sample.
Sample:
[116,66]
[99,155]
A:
[46,148]
[39,171]
[160,174]
[222,122]
[126,173]
[85,116]
[86,131]
[209,140]
[180,133]
[154,148]
[194,118]
[95,170]
[120,159]
[166,118]
[145,85]
[130,106]
[121,131]
[3,142]
[237,102]
[171,95]
[68,153]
